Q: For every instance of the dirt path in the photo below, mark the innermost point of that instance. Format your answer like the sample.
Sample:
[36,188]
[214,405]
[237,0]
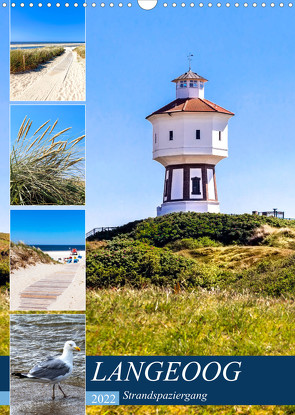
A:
[62,79]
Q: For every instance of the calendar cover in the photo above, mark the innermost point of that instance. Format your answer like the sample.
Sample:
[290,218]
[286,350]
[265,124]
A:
[147,213]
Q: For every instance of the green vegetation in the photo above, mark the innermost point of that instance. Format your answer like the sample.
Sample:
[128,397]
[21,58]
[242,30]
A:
[4,258]
[227,229]
[80,51]
[22,255]
[192,284]
[191,410]
[45,167]
[22,60]
[4,321]
[154,321]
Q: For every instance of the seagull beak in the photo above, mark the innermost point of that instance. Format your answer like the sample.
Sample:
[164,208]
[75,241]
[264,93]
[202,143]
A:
[77,348]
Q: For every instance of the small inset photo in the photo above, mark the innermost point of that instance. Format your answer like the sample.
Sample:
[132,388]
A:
[47,260]
[47,364]
[47,155]
[47,53]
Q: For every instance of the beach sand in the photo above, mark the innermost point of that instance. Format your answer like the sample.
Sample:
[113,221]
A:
[61,79]
[72,298]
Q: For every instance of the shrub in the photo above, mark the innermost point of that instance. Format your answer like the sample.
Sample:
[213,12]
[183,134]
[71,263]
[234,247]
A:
[191,243]
[127,262]
[223,228]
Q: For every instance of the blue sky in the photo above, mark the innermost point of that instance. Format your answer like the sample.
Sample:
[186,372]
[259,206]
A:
[44,24]
[67,115]
[48,227]
[247,54]
[248,57]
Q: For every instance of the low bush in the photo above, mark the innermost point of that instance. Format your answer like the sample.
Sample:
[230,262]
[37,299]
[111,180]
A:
[223,228]
[191,243]
[128,262]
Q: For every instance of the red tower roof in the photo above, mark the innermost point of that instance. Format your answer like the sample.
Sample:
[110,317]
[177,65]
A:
[191,105]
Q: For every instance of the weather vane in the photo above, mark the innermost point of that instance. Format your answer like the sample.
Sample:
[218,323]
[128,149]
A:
[189,58]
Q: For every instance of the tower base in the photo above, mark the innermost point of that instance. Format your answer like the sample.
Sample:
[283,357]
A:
[188,206]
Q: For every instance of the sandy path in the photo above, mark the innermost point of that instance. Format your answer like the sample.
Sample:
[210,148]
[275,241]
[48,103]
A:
[62,79]
[48,287]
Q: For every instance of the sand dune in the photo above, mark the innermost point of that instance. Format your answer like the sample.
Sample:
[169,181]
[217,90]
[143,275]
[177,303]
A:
[62,79]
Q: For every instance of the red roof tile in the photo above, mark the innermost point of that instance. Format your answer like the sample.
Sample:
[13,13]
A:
[191,105]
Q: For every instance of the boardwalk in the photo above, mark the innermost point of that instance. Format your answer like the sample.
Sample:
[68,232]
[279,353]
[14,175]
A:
[44,292]
[48,287]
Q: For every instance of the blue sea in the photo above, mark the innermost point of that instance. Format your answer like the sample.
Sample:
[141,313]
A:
[60,247]
[28,45]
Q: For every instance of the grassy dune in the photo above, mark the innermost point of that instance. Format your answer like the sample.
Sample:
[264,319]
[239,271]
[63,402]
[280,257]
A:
[80,51]
[22,255]
[4,258]
[22,60]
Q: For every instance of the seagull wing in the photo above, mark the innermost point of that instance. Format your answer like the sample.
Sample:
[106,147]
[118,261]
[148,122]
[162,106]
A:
[50,369]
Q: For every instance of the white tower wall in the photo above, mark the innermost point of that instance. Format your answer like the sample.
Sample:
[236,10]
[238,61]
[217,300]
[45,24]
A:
[190,136]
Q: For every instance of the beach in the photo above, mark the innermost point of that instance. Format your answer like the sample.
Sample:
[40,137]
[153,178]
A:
[61,79]
[65,281]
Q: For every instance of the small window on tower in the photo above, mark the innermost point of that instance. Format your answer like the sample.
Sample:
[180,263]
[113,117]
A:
[201,85]
[166,188]
[193,84]
[198,134]
[196,188]
[219,135]
[170,135]
[155,138]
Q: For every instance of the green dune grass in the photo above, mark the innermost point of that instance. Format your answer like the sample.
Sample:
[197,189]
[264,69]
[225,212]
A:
[22,60]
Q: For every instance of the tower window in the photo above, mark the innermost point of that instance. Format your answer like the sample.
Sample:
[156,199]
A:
[166,188]
[193,84]
[155,138]
[196,187]
[183,84]
[219,135]
[201,85]
[198,134]
[170,135]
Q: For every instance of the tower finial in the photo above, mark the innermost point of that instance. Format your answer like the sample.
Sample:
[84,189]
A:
[189,58]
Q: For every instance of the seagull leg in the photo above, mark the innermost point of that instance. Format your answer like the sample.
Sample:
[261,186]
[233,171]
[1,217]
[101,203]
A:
[53,396]
[62,391]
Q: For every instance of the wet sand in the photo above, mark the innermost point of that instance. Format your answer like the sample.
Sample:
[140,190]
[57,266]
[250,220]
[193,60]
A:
[61,79]
[35,399]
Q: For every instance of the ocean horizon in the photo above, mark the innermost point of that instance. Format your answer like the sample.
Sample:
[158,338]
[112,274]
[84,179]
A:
[59,247]
[29,45]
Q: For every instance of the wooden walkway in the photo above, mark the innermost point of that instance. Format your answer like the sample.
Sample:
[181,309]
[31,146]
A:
[41,294]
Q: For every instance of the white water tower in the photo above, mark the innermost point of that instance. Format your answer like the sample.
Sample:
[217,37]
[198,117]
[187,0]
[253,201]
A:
[190,136]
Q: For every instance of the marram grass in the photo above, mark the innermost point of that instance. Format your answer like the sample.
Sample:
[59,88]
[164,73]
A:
[190,410]
[157,321]
[46,168]
[22,60]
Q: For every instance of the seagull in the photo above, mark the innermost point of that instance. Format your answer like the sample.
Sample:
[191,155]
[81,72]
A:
[53,370]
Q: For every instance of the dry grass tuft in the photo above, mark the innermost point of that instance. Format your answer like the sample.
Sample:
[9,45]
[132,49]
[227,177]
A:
[46,168]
